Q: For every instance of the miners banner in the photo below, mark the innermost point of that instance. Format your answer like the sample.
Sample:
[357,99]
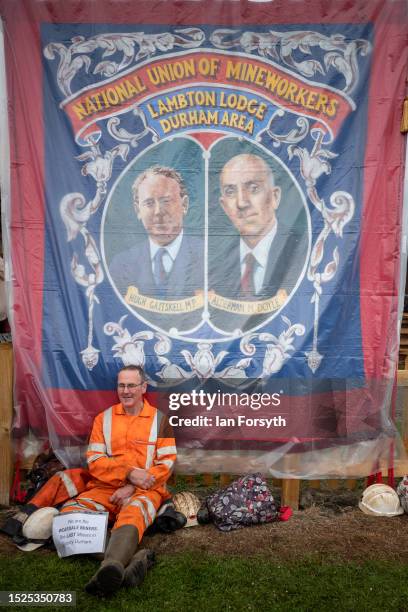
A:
[212,190]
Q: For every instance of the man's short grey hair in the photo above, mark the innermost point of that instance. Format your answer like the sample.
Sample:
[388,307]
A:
[134,368]
[158,171]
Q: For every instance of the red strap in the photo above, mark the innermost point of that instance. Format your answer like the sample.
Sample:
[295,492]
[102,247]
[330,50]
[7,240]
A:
[16,492]
[373,478]
[391,479]
[285,512]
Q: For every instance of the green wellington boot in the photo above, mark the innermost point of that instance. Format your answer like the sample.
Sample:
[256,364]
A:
[138,567]
[120,550]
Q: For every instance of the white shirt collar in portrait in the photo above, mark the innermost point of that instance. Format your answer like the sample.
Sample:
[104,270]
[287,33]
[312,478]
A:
[261,253]
[172,250]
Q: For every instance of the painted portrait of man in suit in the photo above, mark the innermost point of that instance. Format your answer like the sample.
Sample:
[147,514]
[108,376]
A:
[167,263]
[264,256]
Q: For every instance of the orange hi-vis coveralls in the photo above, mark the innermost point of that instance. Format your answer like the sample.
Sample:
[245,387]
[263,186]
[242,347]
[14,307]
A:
[60,487]
[118,443]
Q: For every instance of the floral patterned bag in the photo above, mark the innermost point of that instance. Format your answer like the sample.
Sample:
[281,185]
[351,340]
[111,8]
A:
[246,501]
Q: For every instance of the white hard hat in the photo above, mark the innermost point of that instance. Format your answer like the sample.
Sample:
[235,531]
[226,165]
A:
[380,500]
[38,528]
[378,486]
[373,490]
[188,504]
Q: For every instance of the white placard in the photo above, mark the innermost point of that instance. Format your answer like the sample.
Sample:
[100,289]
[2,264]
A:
[79,533]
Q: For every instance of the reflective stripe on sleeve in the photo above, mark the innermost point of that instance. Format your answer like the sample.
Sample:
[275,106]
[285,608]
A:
[94,458]
[150,508]
[69,485]
[166,450]
[140,505]
[97,447]
[95,504]
[71,503]
[78,507]
[167,462]
[107,430]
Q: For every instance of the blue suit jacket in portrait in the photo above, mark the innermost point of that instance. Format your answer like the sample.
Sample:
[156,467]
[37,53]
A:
[133,267]
[286,260]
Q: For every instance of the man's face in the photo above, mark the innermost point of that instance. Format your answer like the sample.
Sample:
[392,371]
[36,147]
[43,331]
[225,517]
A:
[131,390]
[248,197]
[161,208]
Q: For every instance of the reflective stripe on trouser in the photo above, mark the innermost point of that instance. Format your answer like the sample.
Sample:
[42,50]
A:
[61,487]
[140,511]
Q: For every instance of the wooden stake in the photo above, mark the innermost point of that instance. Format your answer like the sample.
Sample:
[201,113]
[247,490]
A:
[6,419]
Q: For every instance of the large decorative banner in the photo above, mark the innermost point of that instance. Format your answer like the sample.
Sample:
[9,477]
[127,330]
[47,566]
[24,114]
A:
[212,190]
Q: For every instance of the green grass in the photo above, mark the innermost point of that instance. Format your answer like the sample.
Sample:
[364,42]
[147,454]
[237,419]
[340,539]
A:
[201,583]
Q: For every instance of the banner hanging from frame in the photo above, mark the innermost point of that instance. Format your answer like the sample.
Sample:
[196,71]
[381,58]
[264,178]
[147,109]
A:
[212,190]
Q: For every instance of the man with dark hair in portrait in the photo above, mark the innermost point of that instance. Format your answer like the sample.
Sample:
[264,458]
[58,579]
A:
[167,264]
[130,457]
[267,257]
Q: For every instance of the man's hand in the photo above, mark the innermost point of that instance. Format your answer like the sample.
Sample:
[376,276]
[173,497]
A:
[122,495]
[141,478]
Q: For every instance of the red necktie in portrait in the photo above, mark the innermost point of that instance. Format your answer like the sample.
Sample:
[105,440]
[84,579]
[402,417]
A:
[247,279]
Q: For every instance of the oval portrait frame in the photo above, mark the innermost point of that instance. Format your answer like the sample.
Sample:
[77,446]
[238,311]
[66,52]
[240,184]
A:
[292,240]
[124,240]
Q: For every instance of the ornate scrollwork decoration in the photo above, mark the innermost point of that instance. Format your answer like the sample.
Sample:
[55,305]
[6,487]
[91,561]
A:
[295,134]
[278,349]
[203,365]
[338,53]
[312,166]
[129,348]
[134,46]
[121,134]
[75,212]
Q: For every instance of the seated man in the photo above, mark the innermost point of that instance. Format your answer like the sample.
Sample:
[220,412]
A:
[130,456]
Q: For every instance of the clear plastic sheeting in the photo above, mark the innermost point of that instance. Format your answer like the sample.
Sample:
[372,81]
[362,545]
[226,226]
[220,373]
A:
[351,461]
[212,190]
